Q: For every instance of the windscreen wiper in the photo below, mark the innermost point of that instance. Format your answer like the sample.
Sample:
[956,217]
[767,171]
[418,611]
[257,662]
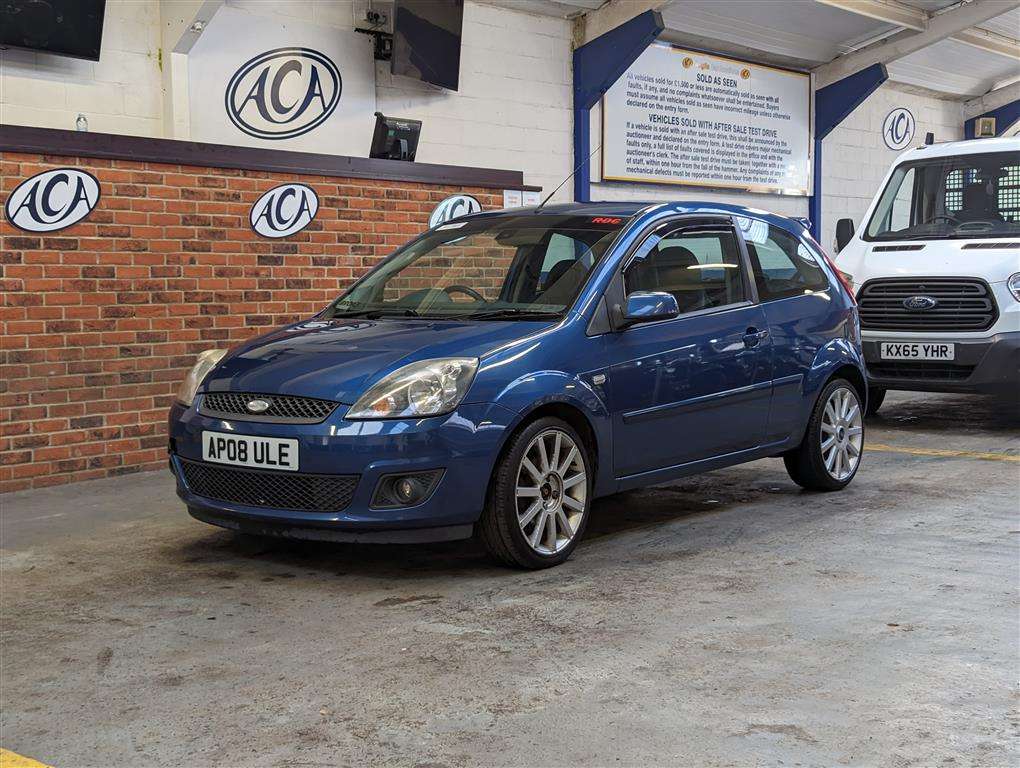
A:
[374,314]
[509,313]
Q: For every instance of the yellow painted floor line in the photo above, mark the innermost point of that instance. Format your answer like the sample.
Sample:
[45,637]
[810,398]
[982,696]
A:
[10,759]
[946,454]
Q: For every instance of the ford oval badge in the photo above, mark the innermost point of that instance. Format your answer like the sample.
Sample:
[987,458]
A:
[258,405]
[920,302]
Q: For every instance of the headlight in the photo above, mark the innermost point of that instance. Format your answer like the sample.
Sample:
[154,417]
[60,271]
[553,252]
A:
[1014,285]
[426,388]
[848,280]
[206,362]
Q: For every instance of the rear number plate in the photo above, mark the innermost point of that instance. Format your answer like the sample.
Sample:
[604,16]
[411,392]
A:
[247,451]
[915,350]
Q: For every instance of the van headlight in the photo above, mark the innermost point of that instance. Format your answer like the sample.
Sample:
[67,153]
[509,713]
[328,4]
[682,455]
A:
[206,362]
[425,388]
[1014,285]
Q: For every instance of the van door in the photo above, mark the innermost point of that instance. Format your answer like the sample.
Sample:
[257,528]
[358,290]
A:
[698,385]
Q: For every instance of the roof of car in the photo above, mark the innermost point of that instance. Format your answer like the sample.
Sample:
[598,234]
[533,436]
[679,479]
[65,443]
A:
[628,209]
[967,147]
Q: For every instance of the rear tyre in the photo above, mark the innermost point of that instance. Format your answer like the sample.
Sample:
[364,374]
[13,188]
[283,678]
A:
[539,497]
[830,453]
[875,398]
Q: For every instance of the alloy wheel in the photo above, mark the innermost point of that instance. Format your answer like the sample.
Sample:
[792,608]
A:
[842,433]
[551,493]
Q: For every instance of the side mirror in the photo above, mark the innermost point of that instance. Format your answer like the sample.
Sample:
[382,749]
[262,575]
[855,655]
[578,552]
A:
[648,306]
[844,233]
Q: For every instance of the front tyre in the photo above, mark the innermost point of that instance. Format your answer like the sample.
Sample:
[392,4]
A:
[830,453]
[539,497]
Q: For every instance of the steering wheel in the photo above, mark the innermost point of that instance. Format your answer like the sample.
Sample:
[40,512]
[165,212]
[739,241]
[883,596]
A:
[464,289]
[951,219]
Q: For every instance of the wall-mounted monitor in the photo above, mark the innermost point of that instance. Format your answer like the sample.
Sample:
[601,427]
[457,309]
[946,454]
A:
[426,40]
[63,27]
[395,138]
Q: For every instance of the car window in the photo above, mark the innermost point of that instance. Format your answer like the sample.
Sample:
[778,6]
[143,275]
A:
[701,269]
[783,265]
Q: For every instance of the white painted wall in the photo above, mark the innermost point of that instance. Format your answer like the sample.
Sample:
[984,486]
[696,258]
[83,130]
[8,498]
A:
[120,93]
[855,159]
[512,110]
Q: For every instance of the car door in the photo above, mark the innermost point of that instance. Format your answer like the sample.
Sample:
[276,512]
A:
[794,294]
[698,385]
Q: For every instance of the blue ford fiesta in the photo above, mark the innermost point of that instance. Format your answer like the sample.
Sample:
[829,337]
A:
[502,371]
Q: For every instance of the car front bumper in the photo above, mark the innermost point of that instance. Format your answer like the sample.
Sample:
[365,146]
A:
[463,445]
[989,365]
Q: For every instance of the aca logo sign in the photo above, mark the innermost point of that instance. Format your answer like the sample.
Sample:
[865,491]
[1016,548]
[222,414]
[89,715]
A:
[283,93]
[898,128]
[284,210]
[452,207]
[52,200]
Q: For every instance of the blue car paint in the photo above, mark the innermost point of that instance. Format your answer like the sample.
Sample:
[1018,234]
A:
[663,400]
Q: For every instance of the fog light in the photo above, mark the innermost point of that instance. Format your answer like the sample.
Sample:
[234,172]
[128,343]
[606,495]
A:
[408,490]
[405,490]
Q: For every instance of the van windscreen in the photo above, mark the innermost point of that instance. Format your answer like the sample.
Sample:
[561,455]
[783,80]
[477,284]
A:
[964,196]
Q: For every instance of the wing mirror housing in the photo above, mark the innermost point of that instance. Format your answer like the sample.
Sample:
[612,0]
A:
[844,233]
[647,307]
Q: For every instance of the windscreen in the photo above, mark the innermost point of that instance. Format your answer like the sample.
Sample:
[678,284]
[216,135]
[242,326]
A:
[491,267]
[966,196]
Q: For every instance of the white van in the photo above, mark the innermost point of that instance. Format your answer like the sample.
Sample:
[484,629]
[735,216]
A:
[935,267]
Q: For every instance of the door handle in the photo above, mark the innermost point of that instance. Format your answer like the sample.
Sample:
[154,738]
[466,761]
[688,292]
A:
[753,337]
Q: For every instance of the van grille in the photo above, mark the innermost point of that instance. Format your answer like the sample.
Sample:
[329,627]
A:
[276,490]
[963,304]
[925,371]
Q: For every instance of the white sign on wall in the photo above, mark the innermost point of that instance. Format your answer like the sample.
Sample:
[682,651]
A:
[683,117]
[266,82]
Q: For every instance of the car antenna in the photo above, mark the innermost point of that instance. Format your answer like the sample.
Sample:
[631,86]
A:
[542,204]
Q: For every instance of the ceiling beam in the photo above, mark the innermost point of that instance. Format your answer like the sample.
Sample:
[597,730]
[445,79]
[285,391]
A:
[991,101]
[888,11]
[939,27]
[610,16]
[893,12]
[991,42]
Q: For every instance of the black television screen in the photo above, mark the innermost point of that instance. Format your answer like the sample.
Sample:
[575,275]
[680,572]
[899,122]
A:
[426,40]
[64,27]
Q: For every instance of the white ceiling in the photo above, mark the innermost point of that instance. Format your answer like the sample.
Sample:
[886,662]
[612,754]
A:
[804,34]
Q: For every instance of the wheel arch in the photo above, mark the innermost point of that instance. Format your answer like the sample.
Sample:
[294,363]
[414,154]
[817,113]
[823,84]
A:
[583,423]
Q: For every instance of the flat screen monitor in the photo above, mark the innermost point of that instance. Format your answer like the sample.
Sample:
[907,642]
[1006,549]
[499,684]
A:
[395,138]
[426,40]
[63,27]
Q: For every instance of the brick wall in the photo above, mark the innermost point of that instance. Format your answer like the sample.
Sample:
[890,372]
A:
[100,321]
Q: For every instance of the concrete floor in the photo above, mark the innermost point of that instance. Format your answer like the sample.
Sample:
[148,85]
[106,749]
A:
[724,620]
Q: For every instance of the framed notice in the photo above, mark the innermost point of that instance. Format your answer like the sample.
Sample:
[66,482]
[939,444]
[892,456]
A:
[683,117]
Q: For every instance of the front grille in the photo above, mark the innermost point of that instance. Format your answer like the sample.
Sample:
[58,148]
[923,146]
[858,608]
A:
[964,304]
[285,409]
[261,488]
[925,371]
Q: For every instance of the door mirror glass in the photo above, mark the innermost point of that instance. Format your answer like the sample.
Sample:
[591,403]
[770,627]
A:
[844,233]
[646,306]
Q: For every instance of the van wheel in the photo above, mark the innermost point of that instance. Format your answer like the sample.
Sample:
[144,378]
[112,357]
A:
[875,398]
[539,497]
[830,453]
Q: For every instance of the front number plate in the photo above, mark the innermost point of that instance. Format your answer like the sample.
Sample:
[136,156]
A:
[247,451]
[915,350]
